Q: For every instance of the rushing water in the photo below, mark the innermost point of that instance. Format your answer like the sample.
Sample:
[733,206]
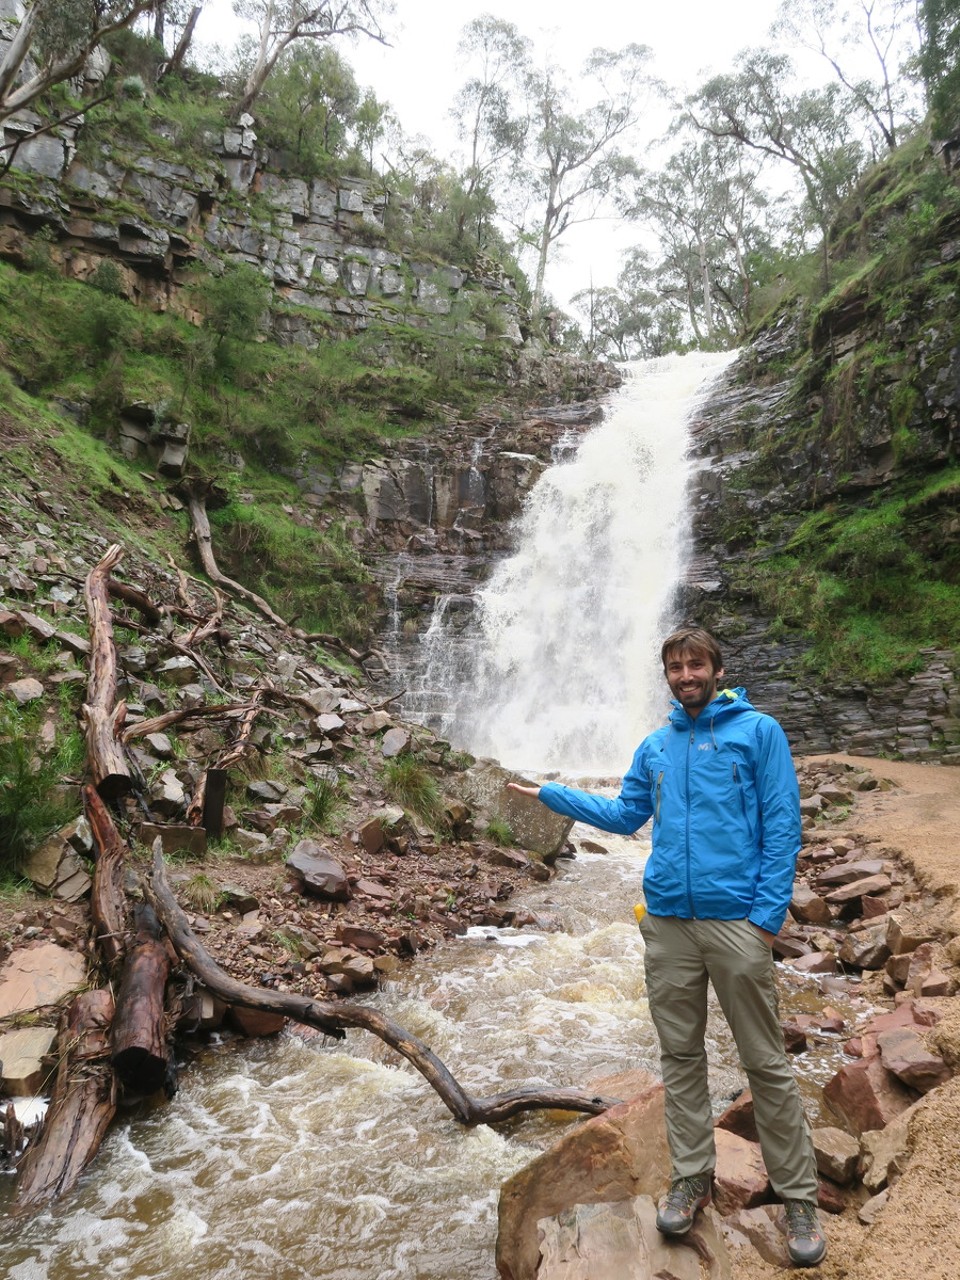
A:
[294,1159]
[561,671]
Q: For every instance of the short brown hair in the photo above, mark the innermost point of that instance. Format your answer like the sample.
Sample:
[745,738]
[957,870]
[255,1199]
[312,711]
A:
[692,640]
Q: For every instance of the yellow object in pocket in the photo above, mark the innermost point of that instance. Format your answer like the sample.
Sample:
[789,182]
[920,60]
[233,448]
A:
[639,911]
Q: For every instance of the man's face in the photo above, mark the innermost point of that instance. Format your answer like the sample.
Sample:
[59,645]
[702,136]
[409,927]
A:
[692,680]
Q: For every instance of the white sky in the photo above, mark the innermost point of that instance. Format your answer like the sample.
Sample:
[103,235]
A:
[420,73]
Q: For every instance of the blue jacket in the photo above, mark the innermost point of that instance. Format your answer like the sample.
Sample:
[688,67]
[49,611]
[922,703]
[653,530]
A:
[722,792]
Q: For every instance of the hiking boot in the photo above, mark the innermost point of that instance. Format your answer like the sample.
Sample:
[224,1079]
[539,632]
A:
[677,1209]
[806,1243]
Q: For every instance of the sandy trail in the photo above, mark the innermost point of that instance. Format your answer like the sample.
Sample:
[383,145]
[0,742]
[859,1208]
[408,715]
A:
[917,1234]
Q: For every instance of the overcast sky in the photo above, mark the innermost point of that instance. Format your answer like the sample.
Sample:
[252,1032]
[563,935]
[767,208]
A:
[420,73]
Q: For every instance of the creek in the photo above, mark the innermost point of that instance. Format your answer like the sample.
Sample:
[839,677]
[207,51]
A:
[301,1159]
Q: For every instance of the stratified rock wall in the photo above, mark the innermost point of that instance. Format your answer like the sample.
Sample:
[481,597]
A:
[763,463]
[322,245]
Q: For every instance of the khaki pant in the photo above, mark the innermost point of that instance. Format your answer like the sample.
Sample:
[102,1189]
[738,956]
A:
[680,957]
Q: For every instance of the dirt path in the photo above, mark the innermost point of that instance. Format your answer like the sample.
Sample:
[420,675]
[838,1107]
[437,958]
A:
[916,1236]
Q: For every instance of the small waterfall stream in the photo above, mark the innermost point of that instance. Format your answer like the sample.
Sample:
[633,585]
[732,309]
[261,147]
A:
[293,1159]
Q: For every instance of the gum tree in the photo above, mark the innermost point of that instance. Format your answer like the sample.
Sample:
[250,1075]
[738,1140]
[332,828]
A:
[51,43]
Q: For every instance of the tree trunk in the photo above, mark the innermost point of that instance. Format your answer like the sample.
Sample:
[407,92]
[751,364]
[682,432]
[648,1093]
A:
[84,1101]
[204,538]
[103,715]
[183,44]
[138,1040]
[107,901]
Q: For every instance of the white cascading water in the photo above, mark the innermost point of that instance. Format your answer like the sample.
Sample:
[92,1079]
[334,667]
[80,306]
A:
[565,671]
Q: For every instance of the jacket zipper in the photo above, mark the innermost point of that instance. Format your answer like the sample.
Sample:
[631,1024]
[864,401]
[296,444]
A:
[743,798]
[686,807]
[656,803]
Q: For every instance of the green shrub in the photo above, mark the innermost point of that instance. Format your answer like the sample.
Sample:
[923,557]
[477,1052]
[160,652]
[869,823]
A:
[410,783]
[500,832]
[30,808]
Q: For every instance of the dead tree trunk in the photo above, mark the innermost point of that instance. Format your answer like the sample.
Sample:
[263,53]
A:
[103,715]
[138,1037]
[83,1105]
[333,1017]
[201,531]
[107,901]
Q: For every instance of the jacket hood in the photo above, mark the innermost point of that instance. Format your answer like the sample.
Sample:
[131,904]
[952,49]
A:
[727,702]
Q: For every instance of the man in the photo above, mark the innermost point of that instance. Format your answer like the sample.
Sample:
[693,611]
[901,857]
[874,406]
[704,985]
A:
[720,786]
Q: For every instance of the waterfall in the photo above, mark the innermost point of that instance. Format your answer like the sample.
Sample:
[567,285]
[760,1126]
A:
[563,670]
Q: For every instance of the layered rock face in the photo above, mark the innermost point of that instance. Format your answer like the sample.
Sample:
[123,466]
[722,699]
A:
[322,245]
[763,462]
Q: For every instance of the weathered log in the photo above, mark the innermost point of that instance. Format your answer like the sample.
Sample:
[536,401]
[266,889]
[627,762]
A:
[133,596]
[83,1104]
[333,1017]
[107,901]
[103,715]
[204,540]
[158,723]
[138,1040]
[203,630]
[233,755]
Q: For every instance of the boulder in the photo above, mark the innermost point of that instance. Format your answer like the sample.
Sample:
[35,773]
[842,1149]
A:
[175,838]
[838,1154]
[37,976]
[621,1242]
[864,1095]
[904,1053]
[903,938]
[885,1152]
[739,1117]
[760,1230]
[55,867]
[534,826]
[24,1065]
[609,1158]
[740,1179]
[320,874]
[395,742]
[808,907]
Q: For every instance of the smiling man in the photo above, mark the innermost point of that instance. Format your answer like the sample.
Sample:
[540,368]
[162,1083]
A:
[719,784]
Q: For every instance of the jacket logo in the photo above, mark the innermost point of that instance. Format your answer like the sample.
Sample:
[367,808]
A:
[705,746]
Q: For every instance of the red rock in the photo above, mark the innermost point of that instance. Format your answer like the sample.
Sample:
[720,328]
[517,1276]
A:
[794,1037]
[611,1157]
[739,1117]
[740,1181]
[865,1095]
[363,939]
[903,1052]
[255,1022]
[830,1198]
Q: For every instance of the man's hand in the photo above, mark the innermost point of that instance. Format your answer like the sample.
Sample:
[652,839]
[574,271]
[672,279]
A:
[524,791]
[765,934]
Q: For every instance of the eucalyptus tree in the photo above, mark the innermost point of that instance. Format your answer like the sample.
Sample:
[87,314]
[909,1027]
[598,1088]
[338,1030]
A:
[280,23]
[52,41]
[939,64]
[634,320]
[849,35]
[309,106]
[811,130]
[572,161]
[488,111]
[706,208]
